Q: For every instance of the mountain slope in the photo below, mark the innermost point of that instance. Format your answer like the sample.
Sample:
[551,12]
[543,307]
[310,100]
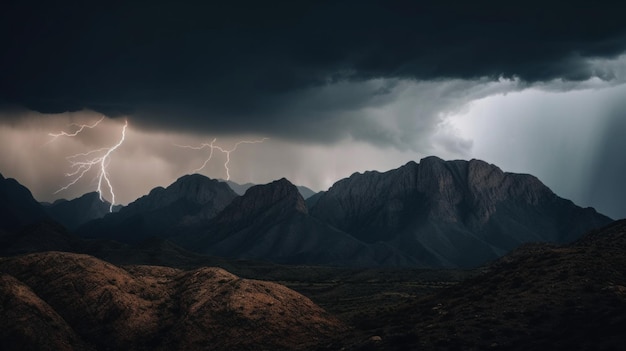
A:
[75,212]
[18,208]
[80,300]
[454,213]
[538,297]
[189,200]
[271,222]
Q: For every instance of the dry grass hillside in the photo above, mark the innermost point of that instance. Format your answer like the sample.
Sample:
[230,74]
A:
[66,301]
[539,297]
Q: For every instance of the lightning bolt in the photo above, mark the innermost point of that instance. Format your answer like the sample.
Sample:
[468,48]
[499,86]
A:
[212,147]
[81,127]
[82,163]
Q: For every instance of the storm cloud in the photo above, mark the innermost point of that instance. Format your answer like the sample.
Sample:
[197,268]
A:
[284,68]
[336,86]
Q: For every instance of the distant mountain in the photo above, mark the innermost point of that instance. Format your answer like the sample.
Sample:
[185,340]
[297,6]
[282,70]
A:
[241,189]
[18,208]
[271,222]
[305,192]
[312,200]
[539,297]
[66,301]
[452,213]
[75,212]
[189,200]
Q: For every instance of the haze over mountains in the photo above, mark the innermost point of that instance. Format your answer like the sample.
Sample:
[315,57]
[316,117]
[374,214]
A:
[433,213]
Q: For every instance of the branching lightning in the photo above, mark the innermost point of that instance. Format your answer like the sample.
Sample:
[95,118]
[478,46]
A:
[212,147]
[82,163]
[81,127]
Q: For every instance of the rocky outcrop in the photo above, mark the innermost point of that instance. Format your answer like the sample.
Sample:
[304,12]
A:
[192,199]
[454,213]
[81,303]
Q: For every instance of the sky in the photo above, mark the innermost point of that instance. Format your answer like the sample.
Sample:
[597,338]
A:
[317,89]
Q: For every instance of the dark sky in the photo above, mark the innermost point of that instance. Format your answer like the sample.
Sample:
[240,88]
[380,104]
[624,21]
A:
[244,59]
[320,73]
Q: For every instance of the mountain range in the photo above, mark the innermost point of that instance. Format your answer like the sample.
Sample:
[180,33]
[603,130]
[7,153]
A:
[146,277]
[434,213]
[430,214]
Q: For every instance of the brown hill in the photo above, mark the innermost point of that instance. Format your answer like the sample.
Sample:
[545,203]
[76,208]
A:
[75,302]
[539,297]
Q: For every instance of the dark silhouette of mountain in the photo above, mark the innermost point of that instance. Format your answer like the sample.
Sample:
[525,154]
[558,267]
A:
[452,213]
[190,200]
[76,302]
[539,297]
[432,214]
[311,201]
[44,235]
[271,222]
[75,212]
[18,208]
[241,189]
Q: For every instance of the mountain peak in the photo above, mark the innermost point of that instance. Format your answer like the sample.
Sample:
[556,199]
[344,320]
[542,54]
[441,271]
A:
[189,201]
[73,213]
[276,199]
[278,191]
[436,207]
[196,188]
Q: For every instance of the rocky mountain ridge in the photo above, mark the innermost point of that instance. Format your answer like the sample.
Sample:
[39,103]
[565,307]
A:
[271,222]
[430,214]
[441,212]
[189,200]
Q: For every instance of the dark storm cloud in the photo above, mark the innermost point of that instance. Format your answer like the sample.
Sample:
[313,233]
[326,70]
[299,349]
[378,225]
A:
[242,66]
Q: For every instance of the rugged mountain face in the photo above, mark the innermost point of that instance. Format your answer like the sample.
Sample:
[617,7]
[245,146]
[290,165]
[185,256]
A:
[18,208]
[538,297]
[190,200]
[271,222]
[75,212]
[432,214]
[454,213]
[77,302]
